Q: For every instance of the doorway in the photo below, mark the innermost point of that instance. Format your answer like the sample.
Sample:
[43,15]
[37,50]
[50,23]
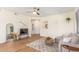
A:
[35,26]
[9,30]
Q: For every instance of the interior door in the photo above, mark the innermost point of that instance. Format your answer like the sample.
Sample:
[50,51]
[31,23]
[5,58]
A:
[35,27]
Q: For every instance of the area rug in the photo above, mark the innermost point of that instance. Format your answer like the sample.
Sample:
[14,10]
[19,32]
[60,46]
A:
[42,47]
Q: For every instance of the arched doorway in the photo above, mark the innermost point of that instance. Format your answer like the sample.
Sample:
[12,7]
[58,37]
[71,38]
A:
[9,30]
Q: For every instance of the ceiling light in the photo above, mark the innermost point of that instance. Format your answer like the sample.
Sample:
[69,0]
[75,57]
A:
[34,13]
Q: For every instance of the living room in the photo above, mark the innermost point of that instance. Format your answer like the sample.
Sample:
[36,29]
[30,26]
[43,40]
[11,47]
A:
[53,22]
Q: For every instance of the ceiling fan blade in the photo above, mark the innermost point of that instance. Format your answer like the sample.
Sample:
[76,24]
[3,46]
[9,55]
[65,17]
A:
[38,9]
[38,13]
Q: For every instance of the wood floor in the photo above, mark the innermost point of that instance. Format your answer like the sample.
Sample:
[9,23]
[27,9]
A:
[19,45]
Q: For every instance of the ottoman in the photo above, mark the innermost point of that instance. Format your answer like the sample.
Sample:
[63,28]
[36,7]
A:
[49,41]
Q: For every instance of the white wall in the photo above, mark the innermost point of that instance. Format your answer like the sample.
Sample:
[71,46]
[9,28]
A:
[57,24]
[9,17]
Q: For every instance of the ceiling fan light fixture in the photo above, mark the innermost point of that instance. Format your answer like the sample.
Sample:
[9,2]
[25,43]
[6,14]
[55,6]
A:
[34,13]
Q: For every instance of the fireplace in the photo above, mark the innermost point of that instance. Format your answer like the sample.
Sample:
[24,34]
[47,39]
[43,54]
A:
[23,31]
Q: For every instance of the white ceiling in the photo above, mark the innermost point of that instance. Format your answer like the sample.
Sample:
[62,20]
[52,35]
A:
[44,11]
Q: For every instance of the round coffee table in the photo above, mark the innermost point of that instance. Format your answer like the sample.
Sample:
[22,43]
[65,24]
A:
[70,48]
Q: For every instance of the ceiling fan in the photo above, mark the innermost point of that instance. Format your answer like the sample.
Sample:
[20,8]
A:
[35,11]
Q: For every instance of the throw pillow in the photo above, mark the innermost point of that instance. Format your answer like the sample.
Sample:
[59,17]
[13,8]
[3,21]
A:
[67,40]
